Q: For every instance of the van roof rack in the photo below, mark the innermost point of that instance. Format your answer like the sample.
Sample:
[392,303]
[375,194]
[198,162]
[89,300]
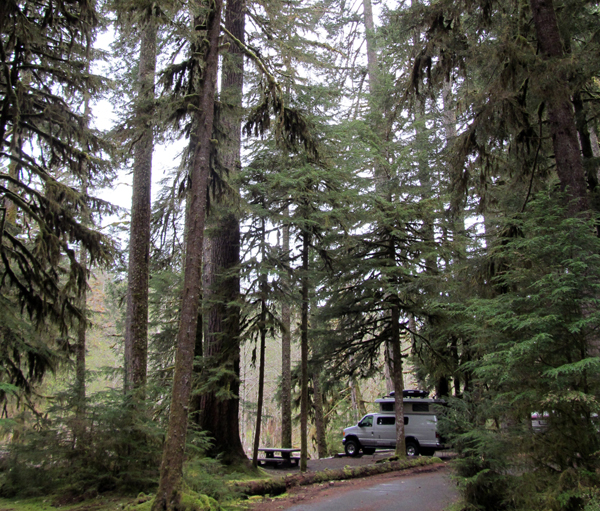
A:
[411,393]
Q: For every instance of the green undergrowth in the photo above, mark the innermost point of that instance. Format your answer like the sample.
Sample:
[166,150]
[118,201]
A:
[190,501]
[209,477]
[50,503]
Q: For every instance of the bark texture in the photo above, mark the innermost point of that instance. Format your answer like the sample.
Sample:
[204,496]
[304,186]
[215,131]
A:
[388,363]
[205,52]
[587,150]
[319,416]
[372,65]
[220,417]
[358,403]
[261,382]
[261,361]
[304,357]
[81,345]
[286,356]
[569,165]
[398,381]
[136,325]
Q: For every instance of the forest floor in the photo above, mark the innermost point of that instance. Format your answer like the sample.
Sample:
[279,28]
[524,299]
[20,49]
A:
[294,495]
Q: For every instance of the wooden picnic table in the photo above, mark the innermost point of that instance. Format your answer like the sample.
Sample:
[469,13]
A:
[285,456]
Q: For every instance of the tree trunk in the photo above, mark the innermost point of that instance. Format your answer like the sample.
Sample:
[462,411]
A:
[261,367]
[388,364]
[395,360]
[304,357]
[205,52]
[358,404]
[14,167]
[80,348]
[594,142]
[261,387]
[220,417]
[398,381]
[587,150]
[136,324]
[79,429]
[569,165]
[456,185]
[319,416]
[372,65]
[286,355]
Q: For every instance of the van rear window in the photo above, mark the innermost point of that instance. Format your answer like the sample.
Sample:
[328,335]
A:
[420,407]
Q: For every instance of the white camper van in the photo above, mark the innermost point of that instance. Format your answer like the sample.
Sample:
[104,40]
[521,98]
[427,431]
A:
[378,430]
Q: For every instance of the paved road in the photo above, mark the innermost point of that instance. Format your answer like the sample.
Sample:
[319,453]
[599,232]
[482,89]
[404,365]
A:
[420,492]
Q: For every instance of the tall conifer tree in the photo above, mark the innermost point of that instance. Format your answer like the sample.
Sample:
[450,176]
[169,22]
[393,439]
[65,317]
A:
[136,323]
[45,142]
[220,416]
[203,67]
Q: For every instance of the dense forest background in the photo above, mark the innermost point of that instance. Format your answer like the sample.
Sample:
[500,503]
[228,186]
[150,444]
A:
[360,198]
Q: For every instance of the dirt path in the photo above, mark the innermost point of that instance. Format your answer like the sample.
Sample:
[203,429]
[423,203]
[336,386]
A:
[423,488]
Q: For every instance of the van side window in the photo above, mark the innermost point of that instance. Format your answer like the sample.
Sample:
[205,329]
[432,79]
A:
[405,421]
[367,421]
[420,407]
[386,421]
[387,407]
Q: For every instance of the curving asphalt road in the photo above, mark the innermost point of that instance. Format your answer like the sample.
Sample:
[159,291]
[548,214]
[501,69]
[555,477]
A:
[431,491]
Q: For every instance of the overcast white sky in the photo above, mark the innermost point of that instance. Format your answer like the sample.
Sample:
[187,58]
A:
[164,159]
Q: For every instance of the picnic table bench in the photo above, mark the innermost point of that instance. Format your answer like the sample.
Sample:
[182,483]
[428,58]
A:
[279,456]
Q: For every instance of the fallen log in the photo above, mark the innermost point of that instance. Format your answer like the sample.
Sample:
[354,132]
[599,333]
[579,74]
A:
[279,485]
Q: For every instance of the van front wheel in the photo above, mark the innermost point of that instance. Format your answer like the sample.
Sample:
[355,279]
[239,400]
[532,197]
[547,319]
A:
[352,448]
[412,449]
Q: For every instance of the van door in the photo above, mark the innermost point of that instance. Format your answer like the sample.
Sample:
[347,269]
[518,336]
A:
[366,432]
[385,430]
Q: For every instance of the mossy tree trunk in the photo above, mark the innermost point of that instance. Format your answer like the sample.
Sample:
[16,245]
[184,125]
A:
[567,152]
[204,53]
[261,359]
[136,325]
[319,416]
[220,416]
[304,355]
[398,381]
[286,353]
